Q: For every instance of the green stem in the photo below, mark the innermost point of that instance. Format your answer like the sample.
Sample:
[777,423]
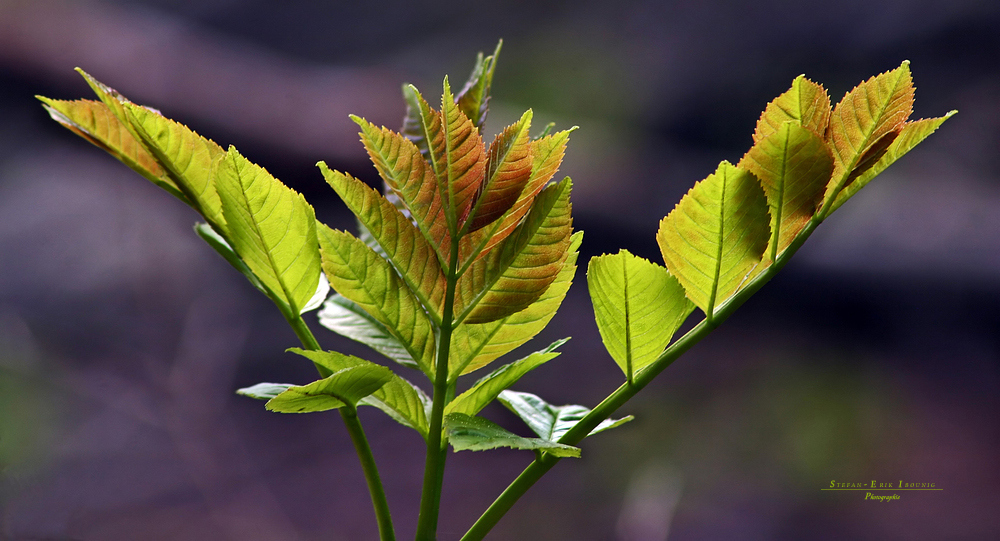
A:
[349,414]
[430,498]
[615,400]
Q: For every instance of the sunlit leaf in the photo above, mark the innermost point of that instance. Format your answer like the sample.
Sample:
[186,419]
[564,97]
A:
[874,110]
[548,421]
[346,386]
[794,166]
[464,162]
[474,346]
[806,103]
[508,169]
[517,273]
[401,242]
[346,318]
[910,135]
[474,98]
[489,386]
[411,179]
[716,235]
[547,154]
[397,397]
[468,433]
[93,121]
[272,228]
[190,159]
[638,306]
[362,276]
[264,391]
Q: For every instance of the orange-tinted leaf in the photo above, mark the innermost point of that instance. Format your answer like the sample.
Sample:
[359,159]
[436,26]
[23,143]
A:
[474,98]
[464,161]
[873,110]
[805,102]
[508,169]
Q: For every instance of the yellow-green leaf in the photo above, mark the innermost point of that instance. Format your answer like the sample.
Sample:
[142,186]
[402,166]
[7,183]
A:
[93,121]
[346,386]
[873,110]
[716,236]
[474,346]
[346,318]
[794,166]
[638,306]
[517,273]
[474,98]
[272,228]
[468,433]
[402,244]
[910,135]
[805,102]
[550,422]
[362,276]
[190,159]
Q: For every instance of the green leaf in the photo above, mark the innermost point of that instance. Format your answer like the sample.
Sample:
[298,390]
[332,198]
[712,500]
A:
[805,102]
[461,168]
[473,346]
[412,256]
[190,159]
[401,166]
[489,386]
[508,169]
[638,306]
[715,236]
[346,318]
[794,166]
[361,275]
[468,433]
[273,230]
[874,110]
[398,398]
[517,273]
[264,391]
[93,121]
[547,154]
[550,422]
[910,135]
[474,98]
[344,387]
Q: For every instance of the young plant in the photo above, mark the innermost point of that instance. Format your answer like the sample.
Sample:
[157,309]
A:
[469,250]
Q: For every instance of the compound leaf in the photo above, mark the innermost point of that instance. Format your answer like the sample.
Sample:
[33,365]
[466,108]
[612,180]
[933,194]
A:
[508,169]
[468,433]
[805,102]
[272,228]
[638,306]
[93,121]
[489,386]
[550,422]
[361,275]
[716,235]
[865,122]
[474,346]
[411,179]
[910,135]
[344,387]
[401,243]
[474,98]
[794,166]
[346,318]
[190,159]
[517,273]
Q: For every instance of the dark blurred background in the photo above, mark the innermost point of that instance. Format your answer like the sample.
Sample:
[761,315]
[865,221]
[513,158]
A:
[874,355]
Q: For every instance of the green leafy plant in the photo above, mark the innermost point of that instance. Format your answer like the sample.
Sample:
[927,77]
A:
[469,250]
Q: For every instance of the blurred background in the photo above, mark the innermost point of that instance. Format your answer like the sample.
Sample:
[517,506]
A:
[874,355]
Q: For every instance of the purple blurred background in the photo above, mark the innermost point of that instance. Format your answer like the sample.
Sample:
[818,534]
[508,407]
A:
[874,355]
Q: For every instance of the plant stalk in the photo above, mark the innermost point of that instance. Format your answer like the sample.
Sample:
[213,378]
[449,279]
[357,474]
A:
[349,414]
[430,497]
[543,463]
